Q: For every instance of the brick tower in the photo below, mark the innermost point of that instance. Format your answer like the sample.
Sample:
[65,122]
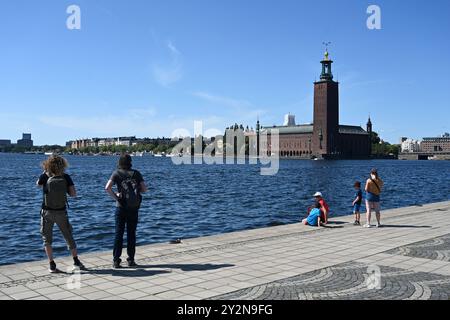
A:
[326,113]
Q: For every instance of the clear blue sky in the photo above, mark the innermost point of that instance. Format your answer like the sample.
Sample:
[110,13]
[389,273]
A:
[147,67]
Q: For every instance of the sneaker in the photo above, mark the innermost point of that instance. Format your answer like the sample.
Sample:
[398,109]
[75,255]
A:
[367,226]
[116,264]
[131,263]
[378,225]
[52,268]
[78,265]
[356,223]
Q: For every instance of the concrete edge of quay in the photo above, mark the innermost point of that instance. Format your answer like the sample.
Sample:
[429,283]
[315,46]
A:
[264,263]
[163,248]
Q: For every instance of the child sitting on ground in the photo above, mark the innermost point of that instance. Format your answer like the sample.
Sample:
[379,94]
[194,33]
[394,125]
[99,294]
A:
[357,203]
[313,218]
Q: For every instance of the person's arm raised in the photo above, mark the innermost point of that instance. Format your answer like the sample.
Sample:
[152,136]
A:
[39,183]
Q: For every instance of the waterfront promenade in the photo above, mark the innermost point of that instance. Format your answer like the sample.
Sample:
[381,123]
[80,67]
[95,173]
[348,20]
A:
[411,253]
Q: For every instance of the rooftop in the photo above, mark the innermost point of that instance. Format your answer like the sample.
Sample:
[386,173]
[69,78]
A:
[298,129]
[308,128]
[344,129]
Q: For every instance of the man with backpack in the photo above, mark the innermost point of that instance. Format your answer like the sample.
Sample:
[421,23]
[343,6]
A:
[56,184]
[130,184]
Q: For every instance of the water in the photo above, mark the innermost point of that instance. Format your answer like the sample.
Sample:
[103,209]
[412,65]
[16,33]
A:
[192,200]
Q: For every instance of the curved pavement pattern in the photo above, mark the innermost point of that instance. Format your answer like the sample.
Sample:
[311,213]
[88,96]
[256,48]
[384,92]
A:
[350,282]
[406,259]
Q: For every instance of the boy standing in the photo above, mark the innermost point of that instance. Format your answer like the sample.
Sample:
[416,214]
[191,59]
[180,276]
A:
[357,203]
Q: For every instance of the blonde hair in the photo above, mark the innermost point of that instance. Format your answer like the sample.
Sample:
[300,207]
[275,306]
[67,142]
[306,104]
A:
[55,165]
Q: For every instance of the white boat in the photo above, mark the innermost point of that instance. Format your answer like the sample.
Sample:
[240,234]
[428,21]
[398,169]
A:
[137,154]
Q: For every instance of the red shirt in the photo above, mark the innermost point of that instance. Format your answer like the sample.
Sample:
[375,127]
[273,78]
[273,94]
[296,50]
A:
[324,205]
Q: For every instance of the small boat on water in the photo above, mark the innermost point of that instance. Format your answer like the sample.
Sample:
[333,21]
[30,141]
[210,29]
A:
[137,154]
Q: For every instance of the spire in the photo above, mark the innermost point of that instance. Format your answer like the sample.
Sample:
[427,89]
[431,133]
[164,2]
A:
[369,125]
[326,75]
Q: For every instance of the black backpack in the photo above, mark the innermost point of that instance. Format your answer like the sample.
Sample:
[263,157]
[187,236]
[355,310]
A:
[130,197]
[55,193]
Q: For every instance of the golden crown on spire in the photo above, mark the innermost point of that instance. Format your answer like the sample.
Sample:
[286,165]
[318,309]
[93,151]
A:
[326,44]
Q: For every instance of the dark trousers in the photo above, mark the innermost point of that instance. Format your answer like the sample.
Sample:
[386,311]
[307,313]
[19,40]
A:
[128,219]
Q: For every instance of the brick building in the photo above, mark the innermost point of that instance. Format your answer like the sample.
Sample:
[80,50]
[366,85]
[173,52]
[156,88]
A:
[325,137]
[437,144]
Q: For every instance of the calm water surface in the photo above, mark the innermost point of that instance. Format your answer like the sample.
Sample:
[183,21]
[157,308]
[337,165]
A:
[197,200]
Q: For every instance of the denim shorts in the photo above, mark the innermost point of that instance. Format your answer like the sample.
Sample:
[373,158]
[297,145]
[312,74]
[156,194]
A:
[371,197]
[356,208]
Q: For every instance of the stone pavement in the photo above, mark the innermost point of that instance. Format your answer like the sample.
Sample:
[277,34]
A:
[408,258]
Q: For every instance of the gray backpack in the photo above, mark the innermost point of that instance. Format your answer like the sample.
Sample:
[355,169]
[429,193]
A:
[55,196]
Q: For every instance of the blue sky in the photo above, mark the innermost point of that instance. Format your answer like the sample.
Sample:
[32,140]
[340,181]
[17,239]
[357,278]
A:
[147,67]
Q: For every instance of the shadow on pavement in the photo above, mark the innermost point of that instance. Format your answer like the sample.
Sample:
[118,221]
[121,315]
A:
[142,270]
[128,272]
[402,226]
[189,267]
[337,222]
[331,227]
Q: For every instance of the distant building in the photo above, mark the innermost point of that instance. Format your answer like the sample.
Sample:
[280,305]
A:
[410,145]
[325,137]
[437,144]
[5,143]
[79,144]
[25,141]
[289,120]
[102,142]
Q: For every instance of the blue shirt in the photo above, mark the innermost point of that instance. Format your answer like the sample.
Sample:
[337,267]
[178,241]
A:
[358,195]
[313,217]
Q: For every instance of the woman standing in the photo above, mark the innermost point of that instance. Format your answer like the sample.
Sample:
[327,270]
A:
[373,189]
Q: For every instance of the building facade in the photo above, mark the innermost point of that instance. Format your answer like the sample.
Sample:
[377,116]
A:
[410,145]
[25,141]
[437,144]
[5,143]
[324,138]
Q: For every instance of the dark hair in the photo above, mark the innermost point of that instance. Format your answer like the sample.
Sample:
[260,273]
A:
[125,162]
[317,205]
[357,184]
[374,171]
